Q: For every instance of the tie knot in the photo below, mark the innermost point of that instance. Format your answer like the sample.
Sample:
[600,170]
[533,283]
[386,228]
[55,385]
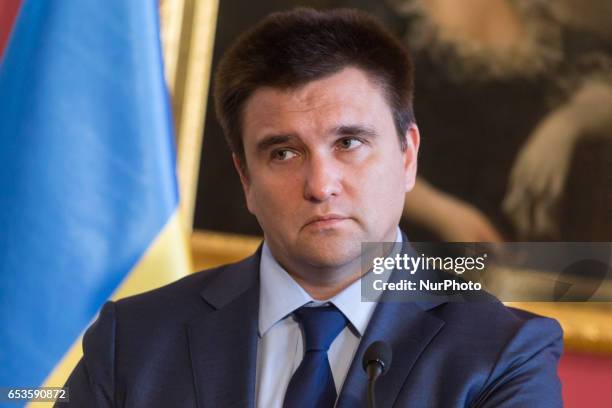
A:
[321,326]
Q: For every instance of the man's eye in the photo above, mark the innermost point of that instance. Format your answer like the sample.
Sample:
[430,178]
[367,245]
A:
[283,154]
[348,143]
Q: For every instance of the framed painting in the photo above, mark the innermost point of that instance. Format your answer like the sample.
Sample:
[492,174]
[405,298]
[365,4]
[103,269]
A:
[196,32]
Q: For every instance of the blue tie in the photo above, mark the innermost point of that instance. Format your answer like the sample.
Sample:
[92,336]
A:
[312,385]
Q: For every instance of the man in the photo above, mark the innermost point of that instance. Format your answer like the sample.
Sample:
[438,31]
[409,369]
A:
[317,108]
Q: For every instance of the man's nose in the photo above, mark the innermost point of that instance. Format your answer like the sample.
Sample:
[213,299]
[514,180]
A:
[322,179]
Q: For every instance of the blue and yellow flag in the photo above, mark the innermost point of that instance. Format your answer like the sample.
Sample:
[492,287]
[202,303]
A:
[88,191]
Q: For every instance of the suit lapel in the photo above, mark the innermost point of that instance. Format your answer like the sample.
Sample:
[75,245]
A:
[223,342]
[408,329]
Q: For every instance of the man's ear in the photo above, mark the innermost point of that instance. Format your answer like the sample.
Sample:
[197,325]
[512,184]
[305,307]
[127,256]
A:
[413,140]
[244,179]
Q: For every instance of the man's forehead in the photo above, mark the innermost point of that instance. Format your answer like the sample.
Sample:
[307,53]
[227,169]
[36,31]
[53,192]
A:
[345,96]
[344,83]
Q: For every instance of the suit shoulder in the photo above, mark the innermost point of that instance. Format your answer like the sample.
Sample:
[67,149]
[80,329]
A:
[183,295]
[502,349]
[189,285]
[501,323]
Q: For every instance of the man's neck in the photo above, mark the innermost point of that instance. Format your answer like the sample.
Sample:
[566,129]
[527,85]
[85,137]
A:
[323,283]
[327,286]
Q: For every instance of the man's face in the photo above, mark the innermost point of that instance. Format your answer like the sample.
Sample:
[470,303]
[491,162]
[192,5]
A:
[325,170]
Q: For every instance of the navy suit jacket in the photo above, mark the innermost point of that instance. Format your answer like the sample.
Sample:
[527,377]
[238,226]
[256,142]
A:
[193,343]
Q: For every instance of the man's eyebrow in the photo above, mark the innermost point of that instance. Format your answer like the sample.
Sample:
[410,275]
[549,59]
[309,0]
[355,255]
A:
[354,130]
[273,140]
[343,130]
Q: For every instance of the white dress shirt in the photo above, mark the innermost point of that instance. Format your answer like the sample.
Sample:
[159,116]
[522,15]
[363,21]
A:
[280,346]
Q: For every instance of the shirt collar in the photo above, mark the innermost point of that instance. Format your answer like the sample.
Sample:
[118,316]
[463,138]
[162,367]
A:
[280,295]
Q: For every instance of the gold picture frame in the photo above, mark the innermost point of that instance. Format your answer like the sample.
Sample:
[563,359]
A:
[188,30]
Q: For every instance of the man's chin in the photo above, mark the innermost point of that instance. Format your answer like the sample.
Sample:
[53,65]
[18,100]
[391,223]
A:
[329,251]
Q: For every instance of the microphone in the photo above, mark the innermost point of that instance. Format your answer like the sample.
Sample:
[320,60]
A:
[376,362]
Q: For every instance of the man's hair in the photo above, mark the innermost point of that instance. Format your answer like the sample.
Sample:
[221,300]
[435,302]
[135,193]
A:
[289,49]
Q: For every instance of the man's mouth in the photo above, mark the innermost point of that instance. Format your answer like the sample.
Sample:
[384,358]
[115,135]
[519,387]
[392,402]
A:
[325,221]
